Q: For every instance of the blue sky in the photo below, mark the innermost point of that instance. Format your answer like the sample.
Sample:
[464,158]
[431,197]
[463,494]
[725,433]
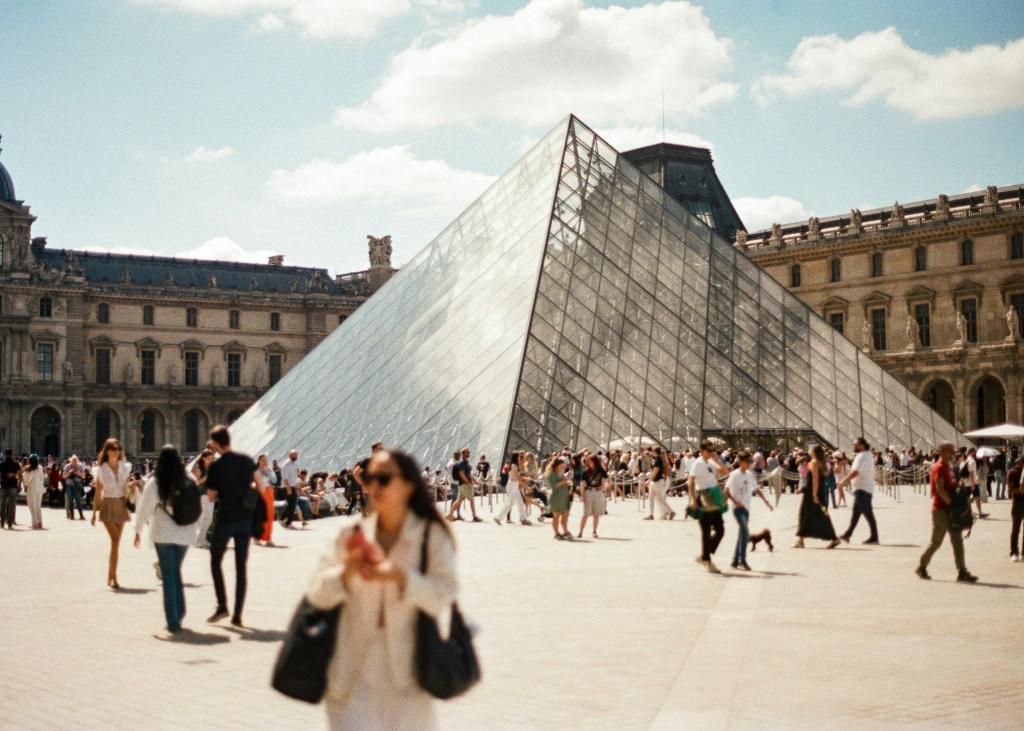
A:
[241,127]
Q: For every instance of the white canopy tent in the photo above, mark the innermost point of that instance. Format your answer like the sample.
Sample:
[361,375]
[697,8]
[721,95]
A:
[1002,431]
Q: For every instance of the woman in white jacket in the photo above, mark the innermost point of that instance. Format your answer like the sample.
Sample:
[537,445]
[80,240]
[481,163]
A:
[170,539]
[32,479]
[375,577]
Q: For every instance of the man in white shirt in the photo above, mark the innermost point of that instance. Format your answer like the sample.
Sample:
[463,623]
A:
[740,488]
[290,483]
[972,482]
[704,494]
[862,480]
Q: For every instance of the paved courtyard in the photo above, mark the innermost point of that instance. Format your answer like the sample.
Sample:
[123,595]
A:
[626,632]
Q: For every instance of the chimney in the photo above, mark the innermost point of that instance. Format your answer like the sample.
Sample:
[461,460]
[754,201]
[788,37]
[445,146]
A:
[276,260]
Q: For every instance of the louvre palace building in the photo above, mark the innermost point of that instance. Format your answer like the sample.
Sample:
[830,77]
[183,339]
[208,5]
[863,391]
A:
[148,349]
[933,290]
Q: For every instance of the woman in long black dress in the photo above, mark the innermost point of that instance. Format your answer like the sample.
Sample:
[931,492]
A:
[814,521]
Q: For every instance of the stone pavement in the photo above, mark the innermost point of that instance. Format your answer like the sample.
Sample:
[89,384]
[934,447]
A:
[626,632]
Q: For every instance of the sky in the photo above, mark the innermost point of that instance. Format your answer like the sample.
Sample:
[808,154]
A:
[242,128]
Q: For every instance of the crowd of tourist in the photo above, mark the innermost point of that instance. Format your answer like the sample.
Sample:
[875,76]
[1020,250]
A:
[222,497]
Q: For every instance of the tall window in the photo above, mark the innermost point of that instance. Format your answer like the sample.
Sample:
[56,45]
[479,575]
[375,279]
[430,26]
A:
[192,317]
[275,368]
[102,427]
[45,307]
[835,269]
[147,433]
[192,431]
[923,315]
[234,369]
[794,275]
[148,367]
[966,252]
[920,259]
[191,368]
[147,315]
[275,321]
[233,319]
[876,264]
[1017,300]
[969,308]
[878,328]
[103,313]
[44,361]
[1017,246]
[103,366]
[837,321]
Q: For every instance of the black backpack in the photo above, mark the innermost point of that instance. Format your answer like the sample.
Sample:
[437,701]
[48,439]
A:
[185,504]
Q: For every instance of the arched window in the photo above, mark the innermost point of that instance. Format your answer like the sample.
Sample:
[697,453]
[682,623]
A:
[920,259]
[794,275]
[148,427]
[991,403]
[103,427]
[940,398]
[195,430]
[966,252]
[45,307]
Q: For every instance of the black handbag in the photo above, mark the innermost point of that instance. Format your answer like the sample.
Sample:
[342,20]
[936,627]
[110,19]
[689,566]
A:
[301,668]
[444,668]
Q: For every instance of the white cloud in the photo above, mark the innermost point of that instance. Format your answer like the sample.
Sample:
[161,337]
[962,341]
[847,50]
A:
[222,248]
[386,175]
[611,66]
[629,138]
[759,213]
[880,65]
[204,154]
[268,23]
[323,19]
[973,188]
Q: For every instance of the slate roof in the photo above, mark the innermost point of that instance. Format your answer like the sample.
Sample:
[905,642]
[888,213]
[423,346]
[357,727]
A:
[166,271]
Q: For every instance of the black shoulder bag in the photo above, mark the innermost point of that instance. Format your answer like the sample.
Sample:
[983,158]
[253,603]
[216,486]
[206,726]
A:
[301,668]
[444,668]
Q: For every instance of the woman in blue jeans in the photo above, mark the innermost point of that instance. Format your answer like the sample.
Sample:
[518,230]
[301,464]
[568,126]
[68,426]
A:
[171,540]
[740,488]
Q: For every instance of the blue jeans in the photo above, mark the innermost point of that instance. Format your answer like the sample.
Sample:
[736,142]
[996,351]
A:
[170,556]
[742,516]
[72,498]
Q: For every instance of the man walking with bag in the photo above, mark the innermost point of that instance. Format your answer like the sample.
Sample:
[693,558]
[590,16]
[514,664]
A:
[229,485]
[943,486]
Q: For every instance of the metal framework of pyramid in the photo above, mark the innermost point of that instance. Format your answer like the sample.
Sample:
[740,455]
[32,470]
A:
[576,304]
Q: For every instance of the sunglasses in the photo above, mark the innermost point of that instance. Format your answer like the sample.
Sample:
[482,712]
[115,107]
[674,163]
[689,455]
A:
[381,478]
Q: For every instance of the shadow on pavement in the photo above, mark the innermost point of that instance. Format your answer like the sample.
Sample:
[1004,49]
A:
[126,590]
[899,545]
[622,540]
[257,635]
[189,637]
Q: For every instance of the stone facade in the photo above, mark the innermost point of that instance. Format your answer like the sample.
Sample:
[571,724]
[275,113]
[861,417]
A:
[149,349]
[930,288]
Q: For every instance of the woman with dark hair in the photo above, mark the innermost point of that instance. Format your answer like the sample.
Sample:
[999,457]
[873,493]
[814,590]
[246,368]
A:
[513,493]
[199,471]
[814,521]
[170,539]
[660,479]
[372,570]
[111,500]
[561,497]
[32,479]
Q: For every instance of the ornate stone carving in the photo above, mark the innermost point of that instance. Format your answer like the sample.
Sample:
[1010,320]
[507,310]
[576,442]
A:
[898,215]
[213,281]
[69,370]
[59,308]
[741,237]
[380,251]
[257,378]
[865,336]
[1012,323]
[127,373]
[991,197]
[856,219]
[172,375]
[961,329]
[942,207]
[777,232]
[913,332]
[813,226]
[126,276]
[215,376]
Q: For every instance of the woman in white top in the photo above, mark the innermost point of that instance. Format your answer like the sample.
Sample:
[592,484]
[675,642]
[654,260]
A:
[370,680]
[199,470]
[170,539]
[32,479]
[513,493]
[112,475]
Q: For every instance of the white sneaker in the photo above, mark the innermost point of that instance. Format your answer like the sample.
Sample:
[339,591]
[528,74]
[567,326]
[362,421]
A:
[1015,558]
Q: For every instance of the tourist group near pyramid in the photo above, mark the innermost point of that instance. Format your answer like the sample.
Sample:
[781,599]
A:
[576,304]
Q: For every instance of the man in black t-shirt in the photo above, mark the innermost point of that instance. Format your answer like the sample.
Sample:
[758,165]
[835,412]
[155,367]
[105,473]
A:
[229,485]
[10,471]
[463,478]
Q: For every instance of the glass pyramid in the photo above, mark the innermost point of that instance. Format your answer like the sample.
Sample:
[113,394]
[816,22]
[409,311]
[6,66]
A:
[576,304]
